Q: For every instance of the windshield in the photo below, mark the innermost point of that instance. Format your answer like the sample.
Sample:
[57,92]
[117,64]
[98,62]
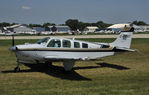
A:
[43,41]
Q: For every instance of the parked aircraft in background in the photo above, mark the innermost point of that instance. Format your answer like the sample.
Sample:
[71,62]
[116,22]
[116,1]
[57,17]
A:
[51,49]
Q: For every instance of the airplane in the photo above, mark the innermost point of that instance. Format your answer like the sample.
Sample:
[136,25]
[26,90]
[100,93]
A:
[68,51]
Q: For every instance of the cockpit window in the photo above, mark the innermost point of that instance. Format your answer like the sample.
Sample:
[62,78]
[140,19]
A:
[66,43]
[54,43]
[43,41]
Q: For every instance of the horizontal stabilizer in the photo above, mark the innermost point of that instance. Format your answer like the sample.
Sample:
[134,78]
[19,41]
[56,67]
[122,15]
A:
[125,49]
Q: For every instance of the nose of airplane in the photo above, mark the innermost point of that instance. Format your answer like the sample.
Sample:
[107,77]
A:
[13,48]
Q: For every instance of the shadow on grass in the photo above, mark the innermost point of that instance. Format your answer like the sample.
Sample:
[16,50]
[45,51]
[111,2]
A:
[102,65]
[59,72]
[118,67]
[55,71]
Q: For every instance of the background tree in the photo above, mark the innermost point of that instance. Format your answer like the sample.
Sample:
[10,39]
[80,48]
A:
[81,26]
[101,24]
[73,24]
[139,23]
[48,24]
[4,24]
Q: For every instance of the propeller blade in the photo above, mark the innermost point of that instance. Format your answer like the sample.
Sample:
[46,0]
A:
[12,40]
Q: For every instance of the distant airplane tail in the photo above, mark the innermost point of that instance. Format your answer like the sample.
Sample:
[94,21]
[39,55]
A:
[124,39]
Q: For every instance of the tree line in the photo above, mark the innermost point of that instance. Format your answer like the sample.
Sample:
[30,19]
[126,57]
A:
[74,24]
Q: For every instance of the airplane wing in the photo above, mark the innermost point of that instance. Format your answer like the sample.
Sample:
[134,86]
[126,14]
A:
[58,58]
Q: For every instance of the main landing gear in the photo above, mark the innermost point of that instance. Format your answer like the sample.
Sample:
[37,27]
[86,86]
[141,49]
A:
[68,65]
[48,64]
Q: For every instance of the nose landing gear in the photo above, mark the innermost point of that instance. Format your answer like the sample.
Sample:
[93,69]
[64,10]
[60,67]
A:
[17,69]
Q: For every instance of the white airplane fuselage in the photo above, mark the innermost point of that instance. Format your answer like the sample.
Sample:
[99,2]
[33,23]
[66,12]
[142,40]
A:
[33,53]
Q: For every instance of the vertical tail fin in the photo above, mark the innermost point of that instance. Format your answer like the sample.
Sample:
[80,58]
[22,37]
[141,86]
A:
[124,39]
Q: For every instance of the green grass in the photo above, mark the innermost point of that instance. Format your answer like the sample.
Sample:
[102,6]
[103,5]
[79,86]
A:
[123,74]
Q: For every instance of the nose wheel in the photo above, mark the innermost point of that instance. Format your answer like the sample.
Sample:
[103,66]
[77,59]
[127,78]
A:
[17,69]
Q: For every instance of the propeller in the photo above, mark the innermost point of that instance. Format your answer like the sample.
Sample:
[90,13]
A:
[12,35]
[13,47]
[13,40]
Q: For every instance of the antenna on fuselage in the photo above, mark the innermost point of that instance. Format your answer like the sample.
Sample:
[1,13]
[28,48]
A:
[73,38]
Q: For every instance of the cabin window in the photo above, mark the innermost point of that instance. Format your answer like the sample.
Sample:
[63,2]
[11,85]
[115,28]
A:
[76,45]
[54,43]
[84,45]
[66,43]
[105,46]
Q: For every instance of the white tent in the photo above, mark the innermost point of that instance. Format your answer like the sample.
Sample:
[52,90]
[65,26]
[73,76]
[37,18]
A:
[119,25]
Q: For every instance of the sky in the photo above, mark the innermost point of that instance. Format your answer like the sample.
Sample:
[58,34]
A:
[58,11]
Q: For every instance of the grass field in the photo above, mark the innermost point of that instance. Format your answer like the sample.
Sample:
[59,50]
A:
[124,74]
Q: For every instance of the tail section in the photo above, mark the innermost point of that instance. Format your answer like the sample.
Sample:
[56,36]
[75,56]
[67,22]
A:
[124,39]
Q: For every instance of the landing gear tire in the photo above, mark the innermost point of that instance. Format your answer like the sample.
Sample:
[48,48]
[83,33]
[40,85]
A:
[48,64]
[17,69]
